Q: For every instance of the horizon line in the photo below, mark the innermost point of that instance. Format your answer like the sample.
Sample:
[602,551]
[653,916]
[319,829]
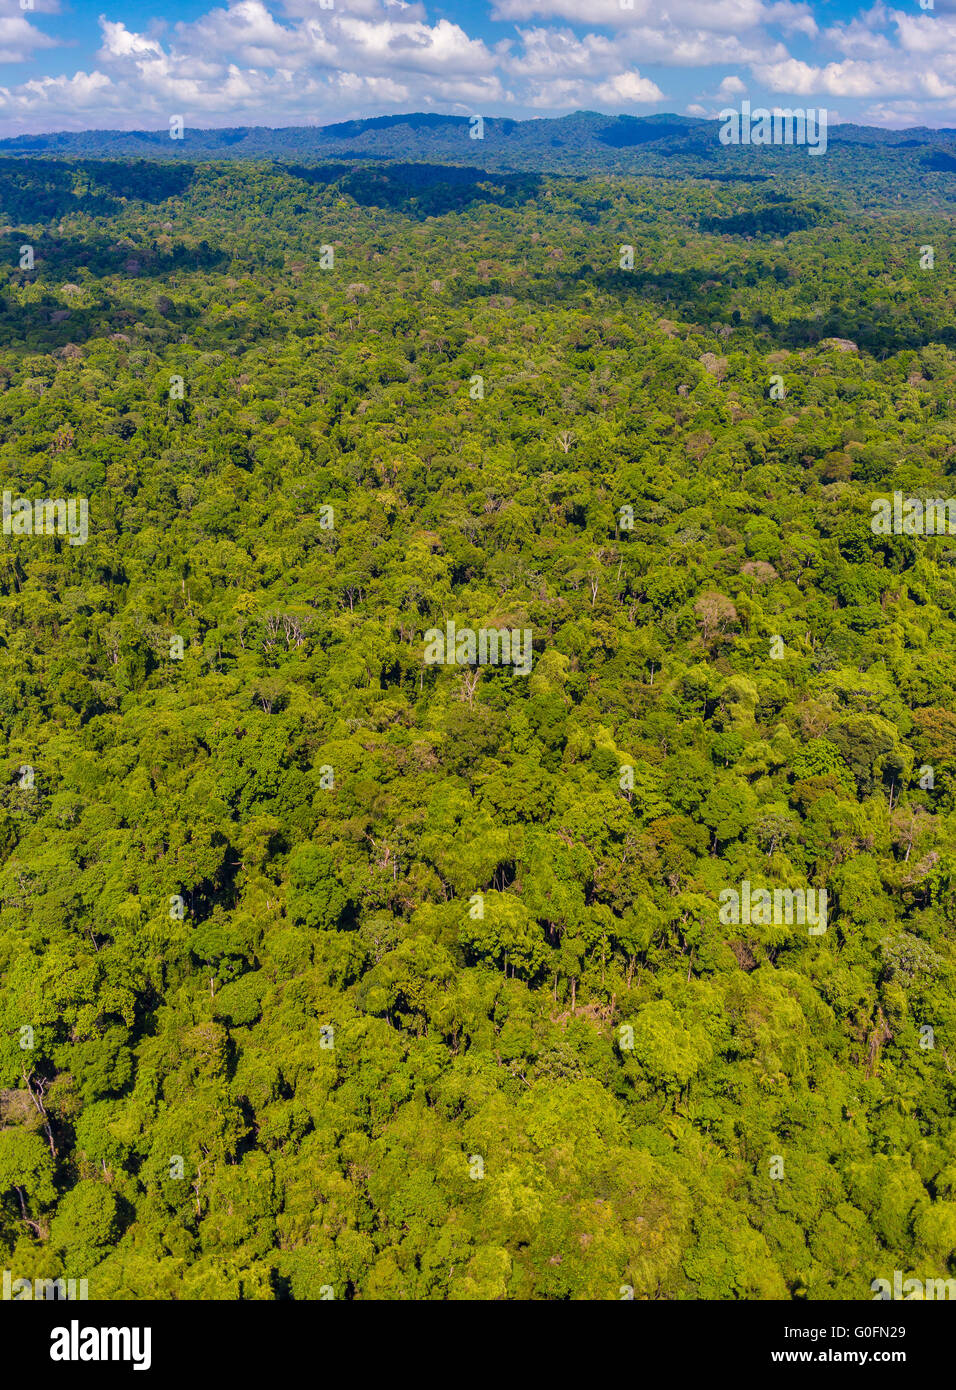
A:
[447,116]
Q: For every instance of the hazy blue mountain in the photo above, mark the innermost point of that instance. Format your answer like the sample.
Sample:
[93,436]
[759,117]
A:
[577,140]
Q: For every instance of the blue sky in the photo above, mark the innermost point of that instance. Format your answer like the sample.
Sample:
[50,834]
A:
[131,64]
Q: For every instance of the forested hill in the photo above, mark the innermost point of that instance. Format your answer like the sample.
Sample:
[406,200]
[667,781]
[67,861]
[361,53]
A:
[873,161]
[327,969]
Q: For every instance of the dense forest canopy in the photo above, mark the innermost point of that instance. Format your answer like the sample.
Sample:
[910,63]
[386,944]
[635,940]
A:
[329,971]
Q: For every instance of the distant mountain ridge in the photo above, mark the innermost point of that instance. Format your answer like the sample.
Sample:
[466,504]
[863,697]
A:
[378,136]
[893,164]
